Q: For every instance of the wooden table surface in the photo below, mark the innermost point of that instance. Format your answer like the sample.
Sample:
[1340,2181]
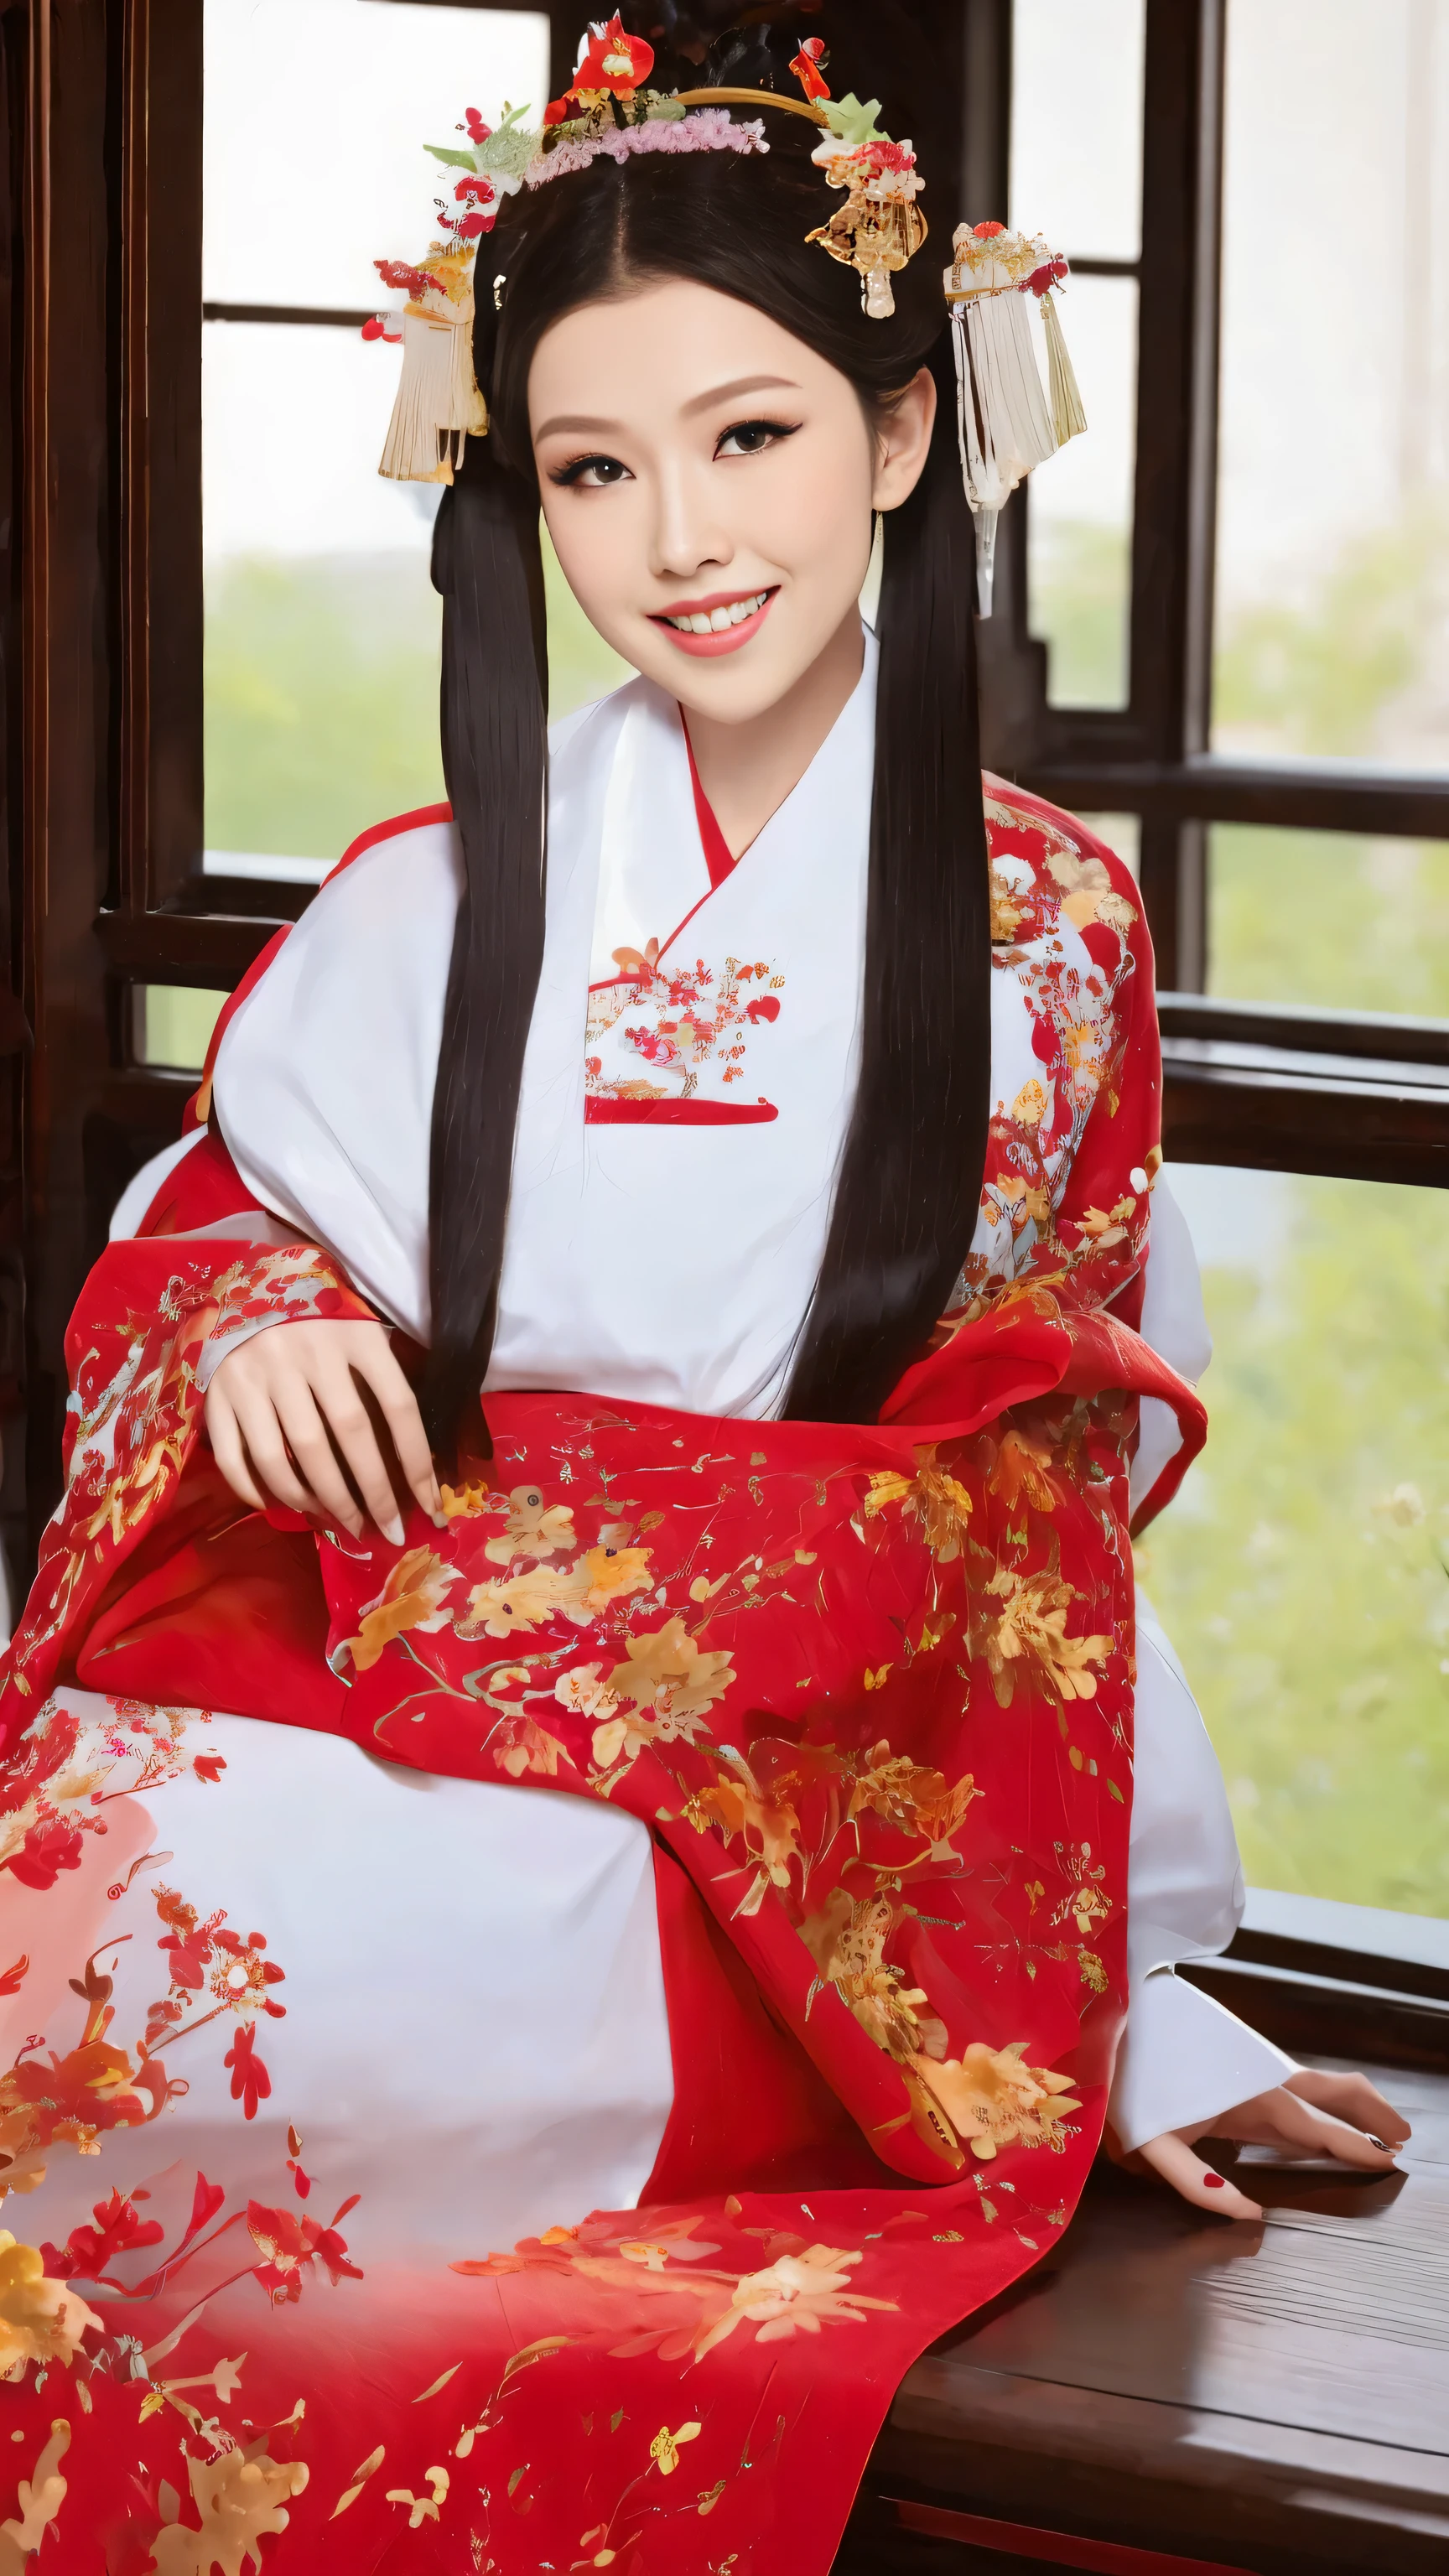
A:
[1272,2398]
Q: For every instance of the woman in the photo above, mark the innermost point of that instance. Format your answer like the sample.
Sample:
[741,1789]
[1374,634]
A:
[645,1950]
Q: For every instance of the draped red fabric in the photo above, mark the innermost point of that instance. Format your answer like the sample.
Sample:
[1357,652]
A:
[870,1689]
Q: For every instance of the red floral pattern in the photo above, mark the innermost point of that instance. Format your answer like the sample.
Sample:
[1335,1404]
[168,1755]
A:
[869,1685]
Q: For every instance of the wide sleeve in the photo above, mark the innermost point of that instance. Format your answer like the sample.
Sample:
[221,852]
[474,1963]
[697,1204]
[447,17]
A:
[323,1087]
[1183,2057]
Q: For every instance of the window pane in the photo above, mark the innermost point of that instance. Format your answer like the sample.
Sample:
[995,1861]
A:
[317,112]
[1079,511]
[322,633]
[173,1024]
[1328,918]
[321,622]
[1076,124]
[1302,1571]
[1333,529]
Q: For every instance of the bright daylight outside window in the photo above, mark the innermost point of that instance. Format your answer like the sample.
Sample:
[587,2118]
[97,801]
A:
[1304,1573]
[1076,175]
[1333,552]
[321,623]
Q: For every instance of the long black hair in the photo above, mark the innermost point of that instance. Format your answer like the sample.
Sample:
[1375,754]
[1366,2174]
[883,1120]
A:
[909,1182]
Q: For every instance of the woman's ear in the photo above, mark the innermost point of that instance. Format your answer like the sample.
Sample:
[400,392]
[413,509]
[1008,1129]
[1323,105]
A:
[903,441]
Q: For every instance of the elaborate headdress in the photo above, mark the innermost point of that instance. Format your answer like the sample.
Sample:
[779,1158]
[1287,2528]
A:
[1006,424]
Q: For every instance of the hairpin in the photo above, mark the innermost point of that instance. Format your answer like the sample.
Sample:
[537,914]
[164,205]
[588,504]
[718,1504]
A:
[1006,424]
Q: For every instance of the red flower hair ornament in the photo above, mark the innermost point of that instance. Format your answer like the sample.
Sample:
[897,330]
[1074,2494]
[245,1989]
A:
[808,66]
[612,61]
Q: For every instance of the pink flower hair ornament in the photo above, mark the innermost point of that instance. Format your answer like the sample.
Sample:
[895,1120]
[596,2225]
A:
[708,129]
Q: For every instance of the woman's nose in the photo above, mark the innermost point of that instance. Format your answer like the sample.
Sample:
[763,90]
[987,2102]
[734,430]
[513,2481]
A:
[688,532]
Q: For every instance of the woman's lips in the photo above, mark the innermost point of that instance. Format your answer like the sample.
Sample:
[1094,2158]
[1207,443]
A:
[724,639]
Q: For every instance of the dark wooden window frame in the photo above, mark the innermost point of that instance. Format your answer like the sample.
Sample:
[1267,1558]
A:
[1365,1096]
[101,631]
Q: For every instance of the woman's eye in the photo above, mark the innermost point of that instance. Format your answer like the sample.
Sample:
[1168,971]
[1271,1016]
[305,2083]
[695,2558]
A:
[752,437]
[595,473]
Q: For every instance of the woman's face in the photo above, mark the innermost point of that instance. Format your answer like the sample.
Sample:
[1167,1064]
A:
[709,483]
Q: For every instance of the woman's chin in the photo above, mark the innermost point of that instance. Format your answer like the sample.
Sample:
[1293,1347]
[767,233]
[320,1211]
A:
[732,687]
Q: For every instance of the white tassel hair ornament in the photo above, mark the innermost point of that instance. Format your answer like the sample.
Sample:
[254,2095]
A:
[1006,421]
[438,402]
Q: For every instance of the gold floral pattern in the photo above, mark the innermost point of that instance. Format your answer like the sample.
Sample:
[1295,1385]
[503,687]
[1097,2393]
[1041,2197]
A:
[992,2098]
[828,1666]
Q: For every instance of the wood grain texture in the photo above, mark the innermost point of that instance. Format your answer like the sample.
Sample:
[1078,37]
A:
[1306,2014]
[1275,2396]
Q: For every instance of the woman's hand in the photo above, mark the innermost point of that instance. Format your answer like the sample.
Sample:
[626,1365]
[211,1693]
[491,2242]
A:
[1311,2115]
[294,1407]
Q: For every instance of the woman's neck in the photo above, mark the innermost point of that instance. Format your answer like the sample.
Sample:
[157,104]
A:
[747,770]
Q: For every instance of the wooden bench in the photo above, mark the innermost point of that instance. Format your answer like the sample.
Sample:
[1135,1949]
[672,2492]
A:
[1169,2395]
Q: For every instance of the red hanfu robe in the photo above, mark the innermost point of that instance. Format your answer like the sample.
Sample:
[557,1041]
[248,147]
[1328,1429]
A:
[869,1688]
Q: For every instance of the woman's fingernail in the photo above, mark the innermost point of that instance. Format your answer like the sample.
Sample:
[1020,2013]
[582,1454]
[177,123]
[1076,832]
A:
[439,1520]
[392,1531]
[1212,2182]
[1383,2148]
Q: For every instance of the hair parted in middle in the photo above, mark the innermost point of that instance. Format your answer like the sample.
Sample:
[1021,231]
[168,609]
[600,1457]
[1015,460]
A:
[909,1182]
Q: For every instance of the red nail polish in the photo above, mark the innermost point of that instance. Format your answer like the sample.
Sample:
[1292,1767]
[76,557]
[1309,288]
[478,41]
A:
[1212,2182]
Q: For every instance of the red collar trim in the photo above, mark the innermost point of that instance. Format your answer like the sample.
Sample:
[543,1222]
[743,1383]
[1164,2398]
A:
[717,856]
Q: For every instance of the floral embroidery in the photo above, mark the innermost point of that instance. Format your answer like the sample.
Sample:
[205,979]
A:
[40,2499]
[40,2320]
[241,2499]
[991,2098]
[847,1940]
[938,1501]
[657,1031]
[532,1528]
[414,1596]
[1022,1636]
[855,1839]
[1062,927]
[798,2290]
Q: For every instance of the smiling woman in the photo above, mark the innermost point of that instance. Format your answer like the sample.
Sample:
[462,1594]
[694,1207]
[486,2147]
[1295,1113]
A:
[666,236]
[628,1399]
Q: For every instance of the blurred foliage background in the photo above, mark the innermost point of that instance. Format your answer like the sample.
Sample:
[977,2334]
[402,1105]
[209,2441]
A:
[1303,1572]
[322,694]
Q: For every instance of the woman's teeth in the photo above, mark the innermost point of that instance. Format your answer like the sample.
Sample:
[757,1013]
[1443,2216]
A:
[717,619]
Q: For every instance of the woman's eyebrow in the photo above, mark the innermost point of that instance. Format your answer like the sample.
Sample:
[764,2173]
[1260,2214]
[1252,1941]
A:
[579,425]
[740,385]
